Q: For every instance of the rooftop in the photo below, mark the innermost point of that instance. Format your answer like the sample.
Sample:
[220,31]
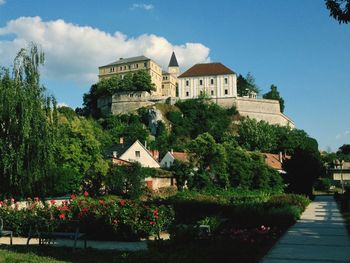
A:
[127,60]
[173,61]
[206,69]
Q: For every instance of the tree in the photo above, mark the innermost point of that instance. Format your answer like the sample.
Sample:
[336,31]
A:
[257,136]
[343,152]
[246,85]
[303,169]
[182,172]
[28,122]
[339,10]
[126,180]
[273,94]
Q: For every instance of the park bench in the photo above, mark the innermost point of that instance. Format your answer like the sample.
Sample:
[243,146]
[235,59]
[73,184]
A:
[46,236]
[5,232]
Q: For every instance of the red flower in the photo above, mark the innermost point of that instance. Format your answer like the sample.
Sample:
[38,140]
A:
[86,193]
[85,210]
[101,202]
[72,196]
[152,223]
[52,202]
[122,202]
[36,199]
[115,222]
[62,216]
[12,200]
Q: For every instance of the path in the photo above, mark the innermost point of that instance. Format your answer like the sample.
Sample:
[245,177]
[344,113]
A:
[319,236]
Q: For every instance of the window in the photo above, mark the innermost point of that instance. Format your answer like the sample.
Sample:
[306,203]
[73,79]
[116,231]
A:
[200,82]
[129,66]
[225,80]
[212,92]
[187,94]
[137,153]
[187,83]
[201,93]
[137,65]
[120,68]
[124,67]
[226,91]
[145,64]
[212,81]
[162,86]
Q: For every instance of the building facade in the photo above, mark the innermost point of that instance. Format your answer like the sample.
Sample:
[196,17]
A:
[129,65]
[211,79]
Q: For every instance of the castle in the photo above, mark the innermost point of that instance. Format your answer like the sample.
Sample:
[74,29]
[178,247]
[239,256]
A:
[215,80]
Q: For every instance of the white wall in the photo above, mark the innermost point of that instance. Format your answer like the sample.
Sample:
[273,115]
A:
[167,160]
[145,158]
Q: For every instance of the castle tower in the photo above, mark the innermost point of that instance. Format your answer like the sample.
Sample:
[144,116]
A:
[173,67]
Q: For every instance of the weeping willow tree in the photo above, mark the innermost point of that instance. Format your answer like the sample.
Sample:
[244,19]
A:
[28,128]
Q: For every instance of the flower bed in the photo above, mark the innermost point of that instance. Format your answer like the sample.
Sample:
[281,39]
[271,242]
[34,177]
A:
[109,218]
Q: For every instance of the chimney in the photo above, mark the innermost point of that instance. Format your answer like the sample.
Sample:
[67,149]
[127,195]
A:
[121,140]
[171,151]
[280,157]
[146,144]
[155,154]
[114,154]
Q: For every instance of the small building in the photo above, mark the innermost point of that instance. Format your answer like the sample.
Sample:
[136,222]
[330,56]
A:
[212,79]
[168,159]
[135,152]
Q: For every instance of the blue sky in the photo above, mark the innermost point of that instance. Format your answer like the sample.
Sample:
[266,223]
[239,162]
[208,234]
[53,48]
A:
[293,44]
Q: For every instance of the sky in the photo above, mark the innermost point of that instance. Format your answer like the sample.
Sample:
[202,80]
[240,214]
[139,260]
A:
[293,44]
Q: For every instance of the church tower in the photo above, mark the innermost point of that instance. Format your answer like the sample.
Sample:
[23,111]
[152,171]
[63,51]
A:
[173,67]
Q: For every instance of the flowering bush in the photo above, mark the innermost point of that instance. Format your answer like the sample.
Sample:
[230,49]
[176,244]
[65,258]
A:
[104,218]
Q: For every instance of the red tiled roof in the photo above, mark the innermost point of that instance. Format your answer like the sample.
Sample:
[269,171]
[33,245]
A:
[273,160]
[207,69]
[181,156]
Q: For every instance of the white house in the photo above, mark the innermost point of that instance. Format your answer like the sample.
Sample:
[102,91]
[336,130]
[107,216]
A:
[135,152]
[169,158]
[213,79]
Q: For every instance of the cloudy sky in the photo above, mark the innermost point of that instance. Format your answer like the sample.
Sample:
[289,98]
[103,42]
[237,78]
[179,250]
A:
[293,44]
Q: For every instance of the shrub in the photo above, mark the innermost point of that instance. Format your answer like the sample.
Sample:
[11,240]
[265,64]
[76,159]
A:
[323,184]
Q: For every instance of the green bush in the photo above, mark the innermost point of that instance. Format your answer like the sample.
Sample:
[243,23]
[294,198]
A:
[323,184]
[105,218]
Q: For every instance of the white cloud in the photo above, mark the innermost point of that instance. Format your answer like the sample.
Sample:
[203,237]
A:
[74,52]
[2,2]
[62,104]
[146,7]
[342,135]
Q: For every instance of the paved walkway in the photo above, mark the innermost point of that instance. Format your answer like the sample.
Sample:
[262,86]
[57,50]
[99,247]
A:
[319,236]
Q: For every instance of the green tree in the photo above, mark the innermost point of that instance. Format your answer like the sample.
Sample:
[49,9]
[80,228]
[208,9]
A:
[126,180]
[246,85]
[339,10]
[257,136]
[28,132]
[182,172]
[273,94]
[343,152]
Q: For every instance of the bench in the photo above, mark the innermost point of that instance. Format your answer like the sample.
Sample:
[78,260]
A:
[47,237]
[5,232]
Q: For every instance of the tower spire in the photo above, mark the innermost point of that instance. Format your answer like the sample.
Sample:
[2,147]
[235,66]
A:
[173,61]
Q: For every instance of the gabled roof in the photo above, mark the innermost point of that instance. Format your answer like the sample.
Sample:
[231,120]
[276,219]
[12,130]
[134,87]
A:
[206,69]
[119,148]
[173,61]
[181,156]
[127,60]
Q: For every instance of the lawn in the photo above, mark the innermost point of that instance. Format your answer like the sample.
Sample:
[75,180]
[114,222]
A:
[165,251]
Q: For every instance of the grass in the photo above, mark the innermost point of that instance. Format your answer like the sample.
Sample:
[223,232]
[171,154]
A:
[166,251]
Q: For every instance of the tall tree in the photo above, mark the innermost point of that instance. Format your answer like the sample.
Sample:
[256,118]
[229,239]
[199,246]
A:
[246,85]
[339,10]
[273,94]
[28,122]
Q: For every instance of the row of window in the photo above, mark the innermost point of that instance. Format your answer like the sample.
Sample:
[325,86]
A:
[127,67]
[211,82]
[211,93]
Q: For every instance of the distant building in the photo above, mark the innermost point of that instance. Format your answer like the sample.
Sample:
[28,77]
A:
[129,65]
[212,79]
[169,158]
[275,161]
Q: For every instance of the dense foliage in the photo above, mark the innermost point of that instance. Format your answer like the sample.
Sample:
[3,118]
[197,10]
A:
[339,10]
[28,122]
[273,94]
[246,85]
